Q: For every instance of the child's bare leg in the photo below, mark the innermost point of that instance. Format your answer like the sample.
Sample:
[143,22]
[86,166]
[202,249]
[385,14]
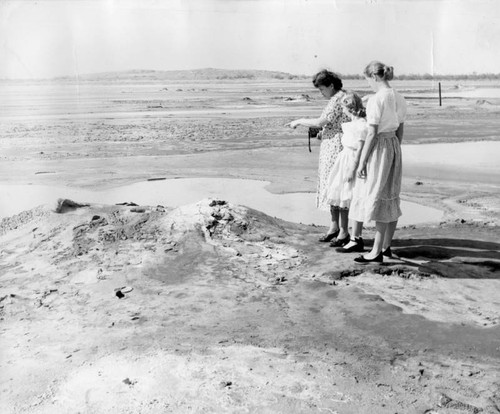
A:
[357,228]
[343,223]
[356,231]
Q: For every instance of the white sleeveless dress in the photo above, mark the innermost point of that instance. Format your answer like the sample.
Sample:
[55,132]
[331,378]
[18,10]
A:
[339,189]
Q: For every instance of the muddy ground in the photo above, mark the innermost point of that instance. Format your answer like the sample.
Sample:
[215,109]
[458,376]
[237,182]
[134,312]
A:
[215,307]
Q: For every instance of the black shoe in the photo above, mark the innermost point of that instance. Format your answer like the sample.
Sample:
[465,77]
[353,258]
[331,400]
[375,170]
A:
[387,252]
[358,247]
[340,242]
[378,259]
[328,237]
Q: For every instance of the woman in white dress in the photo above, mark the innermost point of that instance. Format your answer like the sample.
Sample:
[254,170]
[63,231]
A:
[330,122]
[381,164]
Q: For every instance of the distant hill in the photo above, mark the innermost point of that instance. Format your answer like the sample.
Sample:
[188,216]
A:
[143,75]
[194,74]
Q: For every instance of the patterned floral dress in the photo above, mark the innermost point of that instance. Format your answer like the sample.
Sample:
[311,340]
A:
[331,145]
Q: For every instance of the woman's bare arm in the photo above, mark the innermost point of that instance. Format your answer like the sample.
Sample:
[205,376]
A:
[400,132]
[310,123]
[367,149]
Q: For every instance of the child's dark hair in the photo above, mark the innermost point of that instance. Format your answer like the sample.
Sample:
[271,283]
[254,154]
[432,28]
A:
[354,104]
[327,78]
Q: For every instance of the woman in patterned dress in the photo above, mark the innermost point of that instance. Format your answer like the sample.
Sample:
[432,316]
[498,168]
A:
[331,120]
[380,166]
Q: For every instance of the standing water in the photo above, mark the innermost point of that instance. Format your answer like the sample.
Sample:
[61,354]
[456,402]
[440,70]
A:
[295,207]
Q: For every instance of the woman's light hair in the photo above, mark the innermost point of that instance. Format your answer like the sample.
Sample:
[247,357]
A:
[383,71]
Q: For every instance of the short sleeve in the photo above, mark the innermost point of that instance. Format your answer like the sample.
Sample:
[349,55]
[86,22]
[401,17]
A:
[362,132]
[326,111]
[373,111]
[332,112]
[401,108]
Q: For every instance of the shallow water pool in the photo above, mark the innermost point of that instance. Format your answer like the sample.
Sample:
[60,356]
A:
[295,207]
[459,161]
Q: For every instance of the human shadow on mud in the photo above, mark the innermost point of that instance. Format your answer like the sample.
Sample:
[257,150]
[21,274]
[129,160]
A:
[452,258]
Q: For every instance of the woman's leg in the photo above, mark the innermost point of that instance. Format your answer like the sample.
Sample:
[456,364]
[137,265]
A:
[334,225]
[378,241]
[389,234]
[343,223]
[333,230]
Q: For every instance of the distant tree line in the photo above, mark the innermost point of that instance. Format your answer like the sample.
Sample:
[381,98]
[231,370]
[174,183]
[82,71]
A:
[280,76]
[411,76]
[227,74]
[428,76]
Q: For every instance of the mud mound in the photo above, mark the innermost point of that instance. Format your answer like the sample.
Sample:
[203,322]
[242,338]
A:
[170,245]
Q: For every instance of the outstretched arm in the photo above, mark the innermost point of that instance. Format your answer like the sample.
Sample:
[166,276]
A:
[310,123]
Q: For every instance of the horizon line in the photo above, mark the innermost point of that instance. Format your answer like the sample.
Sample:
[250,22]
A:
[425,76]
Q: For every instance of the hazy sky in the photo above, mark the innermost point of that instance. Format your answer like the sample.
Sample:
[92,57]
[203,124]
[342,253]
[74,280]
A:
[47,38]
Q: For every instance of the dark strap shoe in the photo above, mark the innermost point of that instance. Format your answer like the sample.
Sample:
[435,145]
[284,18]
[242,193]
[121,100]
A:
[362,260]
[358,247]
[328,237]
[340,242]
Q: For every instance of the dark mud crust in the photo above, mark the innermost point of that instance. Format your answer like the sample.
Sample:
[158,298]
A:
[13,222]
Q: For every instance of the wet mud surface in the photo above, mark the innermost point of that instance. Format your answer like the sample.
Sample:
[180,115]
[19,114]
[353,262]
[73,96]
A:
[214,307]
[235,311]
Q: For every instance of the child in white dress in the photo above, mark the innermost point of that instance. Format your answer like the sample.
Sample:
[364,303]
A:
[342,179]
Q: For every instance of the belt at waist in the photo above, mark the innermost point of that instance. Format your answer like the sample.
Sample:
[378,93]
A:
[386,134]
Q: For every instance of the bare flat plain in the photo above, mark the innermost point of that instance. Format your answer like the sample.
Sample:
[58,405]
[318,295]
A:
[215,307]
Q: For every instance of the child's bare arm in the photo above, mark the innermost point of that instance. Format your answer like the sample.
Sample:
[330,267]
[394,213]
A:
[367,149]
[352,171]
